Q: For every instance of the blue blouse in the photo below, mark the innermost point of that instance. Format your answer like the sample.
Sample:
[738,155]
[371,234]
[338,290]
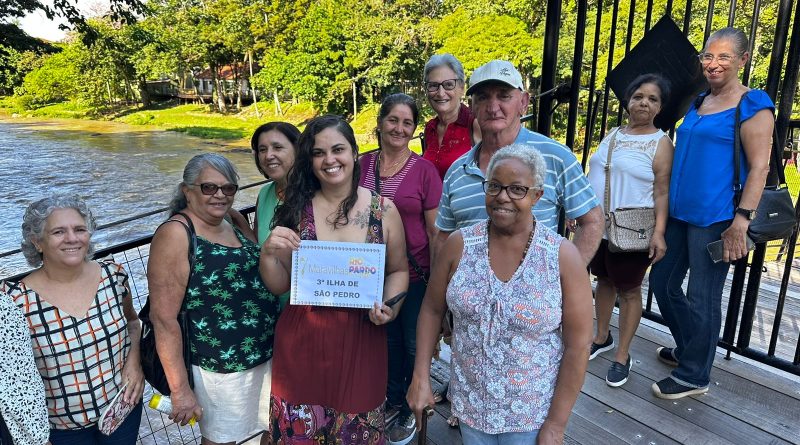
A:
[701,186]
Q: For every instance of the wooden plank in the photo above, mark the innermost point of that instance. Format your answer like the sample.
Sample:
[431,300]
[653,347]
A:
[747,401]
[764,375]
[604,421]
[689,409]
[649,414]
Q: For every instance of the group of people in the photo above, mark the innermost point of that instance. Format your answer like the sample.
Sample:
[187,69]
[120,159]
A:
[469,227]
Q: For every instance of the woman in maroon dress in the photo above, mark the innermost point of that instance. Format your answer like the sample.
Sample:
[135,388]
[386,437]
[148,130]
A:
[330,367]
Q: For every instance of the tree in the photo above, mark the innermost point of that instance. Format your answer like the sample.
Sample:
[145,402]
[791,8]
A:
[124,11]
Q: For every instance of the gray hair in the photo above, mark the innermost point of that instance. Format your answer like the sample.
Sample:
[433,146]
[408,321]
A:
[735,35]
[35,218]
[440,60]
[525,154]
[193,169]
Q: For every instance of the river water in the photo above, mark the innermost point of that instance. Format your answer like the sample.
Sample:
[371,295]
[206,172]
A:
[119,170]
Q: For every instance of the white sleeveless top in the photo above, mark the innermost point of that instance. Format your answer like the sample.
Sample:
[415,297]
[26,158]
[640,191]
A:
[631,169]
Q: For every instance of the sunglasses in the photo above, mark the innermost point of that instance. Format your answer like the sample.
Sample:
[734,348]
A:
[448,85]
[208,188]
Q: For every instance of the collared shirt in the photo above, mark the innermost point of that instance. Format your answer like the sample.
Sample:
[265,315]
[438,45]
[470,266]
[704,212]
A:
[565,186]
[456,141]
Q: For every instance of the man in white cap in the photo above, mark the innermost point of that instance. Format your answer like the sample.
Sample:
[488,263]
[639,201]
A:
[499,100]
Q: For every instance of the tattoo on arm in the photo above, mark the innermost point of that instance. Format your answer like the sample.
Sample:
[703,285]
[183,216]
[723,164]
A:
[361,218]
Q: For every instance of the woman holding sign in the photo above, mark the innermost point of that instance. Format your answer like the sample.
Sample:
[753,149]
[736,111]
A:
[522,308]
[329,379]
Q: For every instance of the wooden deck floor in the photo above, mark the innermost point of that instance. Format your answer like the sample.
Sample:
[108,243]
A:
[746,404]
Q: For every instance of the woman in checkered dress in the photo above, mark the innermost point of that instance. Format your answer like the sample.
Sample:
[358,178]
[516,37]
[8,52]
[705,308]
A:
[82,323]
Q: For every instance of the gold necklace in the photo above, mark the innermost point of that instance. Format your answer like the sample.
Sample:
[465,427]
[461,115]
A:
[391,167]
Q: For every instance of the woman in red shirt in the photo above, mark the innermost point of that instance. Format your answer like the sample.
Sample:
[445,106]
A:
[453,131]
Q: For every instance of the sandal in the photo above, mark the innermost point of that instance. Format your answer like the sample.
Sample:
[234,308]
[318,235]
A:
[439,394]
[452,421]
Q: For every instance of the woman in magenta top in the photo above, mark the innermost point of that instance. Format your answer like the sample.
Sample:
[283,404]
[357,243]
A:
[414,186]
[453,131]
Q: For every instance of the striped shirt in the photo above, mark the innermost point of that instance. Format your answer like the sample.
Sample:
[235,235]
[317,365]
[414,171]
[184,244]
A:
[565,186]
[79,359]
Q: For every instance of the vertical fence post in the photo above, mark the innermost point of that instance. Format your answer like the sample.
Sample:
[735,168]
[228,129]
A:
[752,38]
[778,48]
[549,61]
[610,65]
[575,85]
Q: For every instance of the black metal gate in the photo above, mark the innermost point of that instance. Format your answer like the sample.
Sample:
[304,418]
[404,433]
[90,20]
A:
[781,85]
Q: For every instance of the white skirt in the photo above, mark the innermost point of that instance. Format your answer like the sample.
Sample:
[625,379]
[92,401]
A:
[236,405]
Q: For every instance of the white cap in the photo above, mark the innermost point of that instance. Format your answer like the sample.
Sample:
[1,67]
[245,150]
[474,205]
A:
[495,71]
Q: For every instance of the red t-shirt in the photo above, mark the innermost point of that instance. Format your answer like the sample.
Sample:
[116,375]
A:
[457,140]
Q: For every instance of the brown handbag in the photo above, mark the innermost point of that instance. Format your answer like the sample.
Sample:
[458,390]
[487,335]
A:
[627,229]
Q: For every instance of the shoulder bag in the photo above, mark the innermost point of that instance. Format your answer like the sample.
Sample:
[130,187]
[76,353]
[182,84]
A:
[627,229]
[775,215]
[151,362]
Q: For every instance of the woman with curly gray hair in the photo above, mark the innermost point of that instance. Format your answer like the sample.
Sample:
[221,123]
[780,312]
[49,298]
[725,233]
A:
[232,314]
[85,335]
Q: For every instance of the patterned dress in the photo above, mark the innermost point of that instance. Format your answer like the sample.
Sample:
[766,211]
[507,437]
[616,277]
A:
[232,313]
[330,369]
[507,343]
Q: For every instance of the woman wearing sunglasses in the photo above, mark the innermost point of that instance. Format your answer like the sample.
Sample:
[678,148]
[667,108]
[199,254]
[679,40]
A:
[232,315]
[453,131]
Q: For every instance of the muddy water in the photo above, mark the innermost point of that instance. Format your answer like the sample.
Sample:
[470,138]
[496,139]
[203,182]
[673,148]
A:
[119,170]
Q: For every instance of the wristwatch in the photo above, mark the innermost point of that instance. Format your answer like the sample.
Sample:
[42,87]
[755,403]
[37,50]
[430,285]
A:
[747,213]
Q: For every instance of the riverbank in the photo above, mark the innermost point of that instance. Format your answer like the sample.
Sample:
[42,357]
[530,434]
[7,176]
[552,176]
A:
[232,129]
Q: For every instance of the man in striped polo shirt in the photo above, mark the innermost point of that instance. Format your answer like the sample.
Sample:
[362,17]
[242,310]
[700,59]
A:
[499,101]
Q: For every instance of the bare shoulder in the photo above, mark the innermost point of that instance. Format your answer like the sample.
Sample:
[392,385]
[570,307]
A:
[568,254]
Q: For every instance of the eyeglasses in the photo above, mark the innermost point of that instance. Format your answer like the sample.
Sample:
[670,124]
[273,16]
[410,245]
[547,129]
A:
[722,59]
[208,188]
[448,85]
[513,191]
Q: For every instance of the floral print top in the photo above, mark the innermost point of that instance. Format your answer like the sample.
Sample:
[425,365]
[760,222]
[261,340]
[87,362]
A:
[507,344]
[231,311]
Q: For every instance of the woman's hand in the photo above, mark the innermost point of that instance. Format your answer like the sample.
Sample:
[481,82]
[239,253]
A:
[380,314]
[132,375]
[734,240]
[279,239]
[658,247]
[550,434]
[184,406]
[419,396]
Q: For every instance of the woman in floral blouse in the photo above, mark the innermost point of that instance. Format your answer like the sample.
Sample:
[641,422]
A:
[522,308]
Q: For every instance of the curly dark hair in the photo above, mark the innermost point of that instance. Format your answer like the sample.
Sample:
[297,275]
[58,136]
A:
[290,131]
[303,184]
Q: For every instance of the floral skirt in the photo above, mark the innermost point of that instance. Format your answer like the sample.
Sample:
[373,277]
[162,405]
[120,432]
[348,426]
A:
[319,425]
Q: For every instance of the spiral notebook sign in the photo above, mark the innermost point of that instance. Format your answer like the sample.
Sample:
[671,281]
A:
[337,274]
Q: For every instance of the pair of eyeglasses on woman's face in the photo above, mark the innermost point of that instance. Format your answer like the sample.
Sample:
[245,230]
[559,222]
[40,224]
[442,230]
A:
[209,188]
[448,85]
[513,191]
[722,59]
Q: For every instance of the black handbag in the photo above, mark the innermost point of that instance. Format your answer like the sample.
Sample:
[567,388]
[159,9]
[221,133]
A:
[775,216]
[151,363]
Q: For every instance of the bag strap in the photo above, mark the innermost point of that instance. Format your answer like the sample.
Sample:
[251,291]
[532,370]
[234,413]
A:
[411,260]
[774,162]
[607,195]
